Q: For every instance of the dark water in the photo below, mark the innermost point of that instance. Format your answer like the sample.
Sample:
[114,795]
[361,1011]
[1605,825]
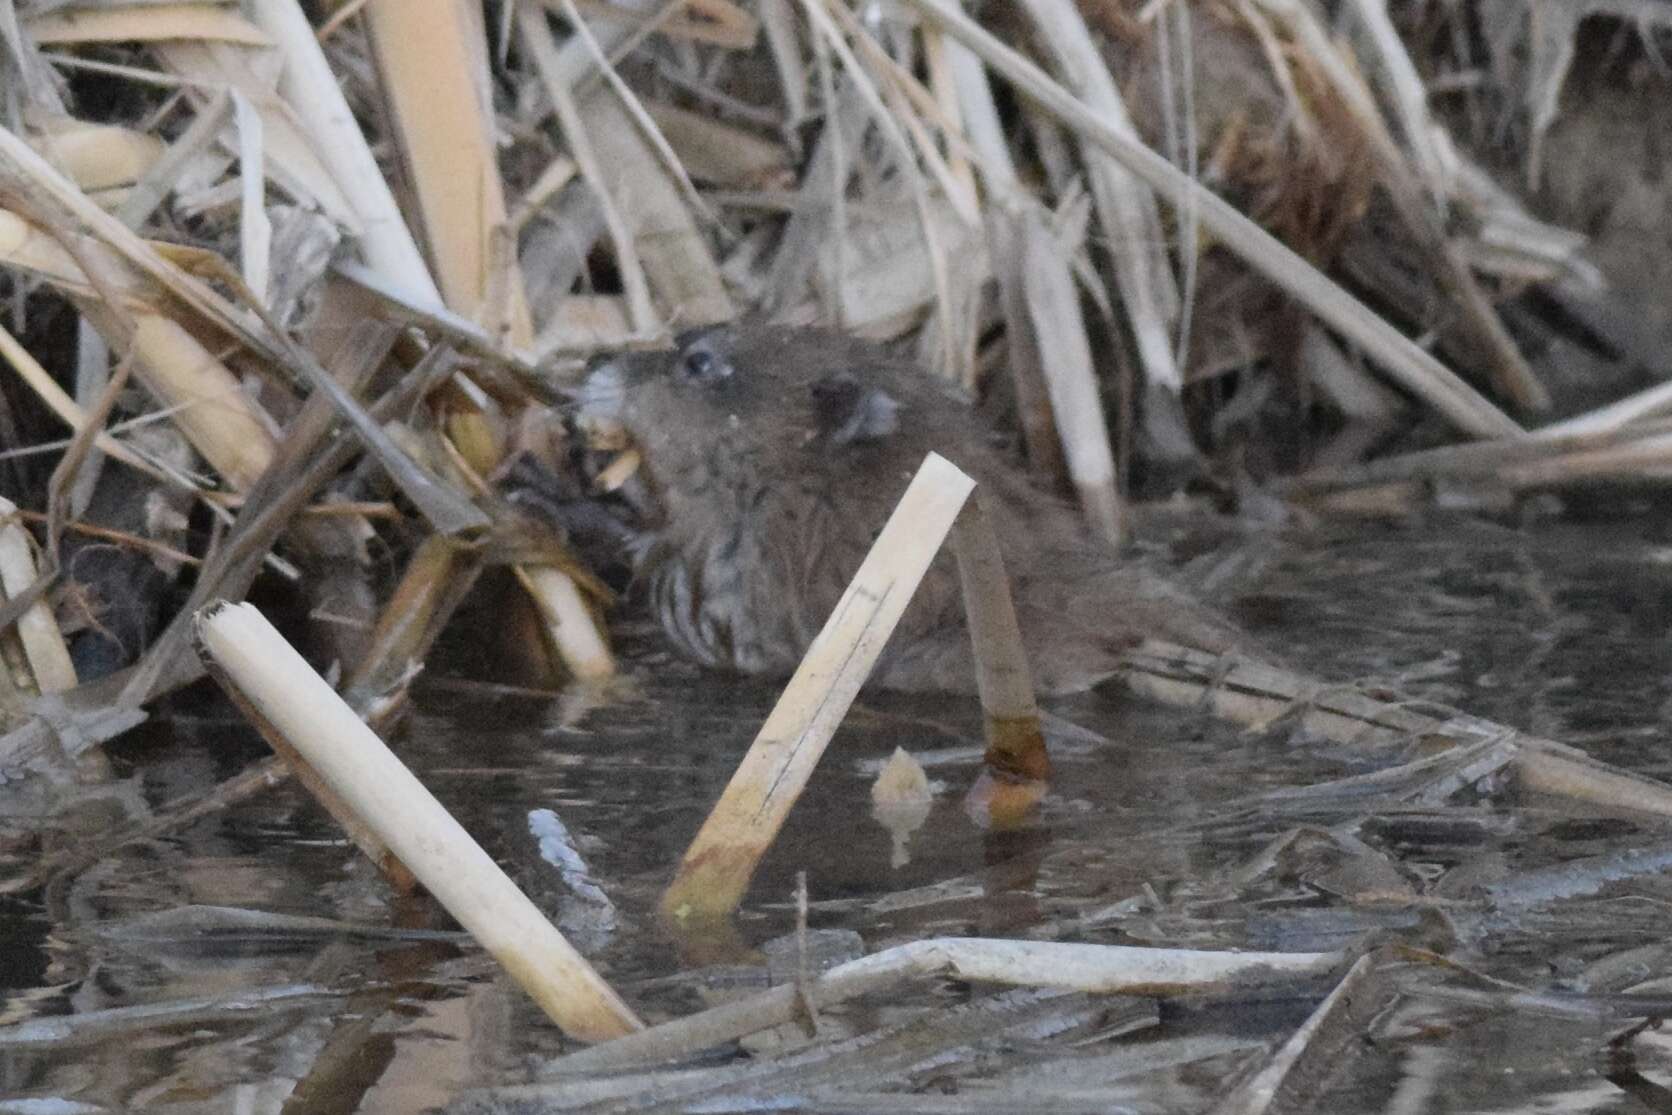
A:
[1147,838]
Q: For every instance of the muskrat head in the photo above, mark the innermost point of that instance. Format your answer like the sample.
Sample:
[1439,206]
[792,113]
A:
[769,458]
[729,401]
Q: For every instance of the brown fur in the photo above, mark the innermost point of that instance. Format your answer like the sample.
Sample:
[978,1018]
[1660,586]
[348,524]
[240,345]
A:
[778,464]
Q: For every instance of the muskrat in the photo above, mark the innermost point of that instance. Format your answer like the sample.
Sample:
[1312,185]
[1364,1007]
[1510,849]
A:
[777,453]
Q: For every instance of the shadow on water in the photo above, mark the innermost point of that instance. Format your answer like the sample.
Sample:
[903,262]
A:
[1154,834]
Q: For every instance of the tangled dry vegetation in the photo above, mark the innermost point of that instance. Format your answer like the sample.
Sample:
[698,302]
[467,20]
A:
[292,288]
[295,291]
[301,291]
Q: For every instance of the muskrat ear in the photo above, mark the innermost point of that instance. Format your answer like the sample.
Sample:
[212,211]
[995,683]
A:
[850,412]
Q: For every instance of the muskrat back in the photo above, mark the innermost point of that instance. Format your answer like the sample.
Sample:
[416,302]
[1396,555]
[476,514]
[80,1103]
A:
[777,454]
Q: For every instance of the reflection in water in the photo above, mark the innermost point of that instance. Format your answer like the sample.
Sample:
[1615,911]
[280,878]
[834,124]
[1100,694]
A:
[1155,833]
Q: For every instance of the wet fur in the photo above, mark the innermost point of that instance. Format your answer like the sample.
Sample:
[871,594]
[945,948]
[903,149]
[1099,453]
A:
[779,453]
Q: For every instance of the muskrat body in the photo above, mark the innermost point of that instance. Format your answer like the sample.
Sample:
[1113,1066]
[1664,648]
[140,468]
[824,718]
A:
[777,454]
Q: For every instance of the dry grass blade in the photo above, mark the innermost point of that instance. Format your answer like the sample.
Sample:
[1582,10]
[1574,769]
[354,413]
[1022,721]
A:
[150,23]
[447,509]
[46,388]
[537,36]
[1006,230]
[398,305]
[255,239]
[1006,235]
[291,158]
[435,582]
[1405,89]
[1484,330]
[27,247]
[649,130]
[1651,402]
[1554,456]
[819,15]
[944,87]
[678,265]
[1070,378]
[149,191]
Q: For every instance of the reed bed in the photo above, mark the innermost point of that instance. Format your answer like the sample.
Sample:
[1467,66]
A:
[1035,203]
[293,291]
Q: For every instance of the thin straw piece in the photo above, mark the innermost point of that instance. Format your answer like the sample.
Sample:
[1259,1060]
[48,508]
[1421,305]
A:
[43,642]
[67,409]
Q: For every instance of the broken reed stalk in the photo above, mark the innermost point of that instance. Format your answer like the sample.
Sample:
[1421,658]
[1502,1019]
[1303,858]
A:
[1015,743]
[432,62]
[397,874]
[1101,969]
[1638,449]
[566,621]
[1052,302]
[259,666]
[438,577]
[721,860]
[209,405]
[1259,695]
[717,867]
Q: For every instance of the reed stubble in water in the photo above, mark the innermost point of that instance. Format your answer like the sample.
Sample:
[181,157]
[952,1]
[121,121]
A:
[775,454]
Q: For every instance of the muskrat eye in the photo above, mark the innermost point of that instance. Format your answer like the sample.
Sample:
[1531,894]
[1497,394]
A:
[700,364]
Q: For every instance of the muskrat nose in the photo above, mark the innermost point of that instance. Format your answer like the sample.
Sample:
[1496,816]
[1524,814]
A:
[600,390]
